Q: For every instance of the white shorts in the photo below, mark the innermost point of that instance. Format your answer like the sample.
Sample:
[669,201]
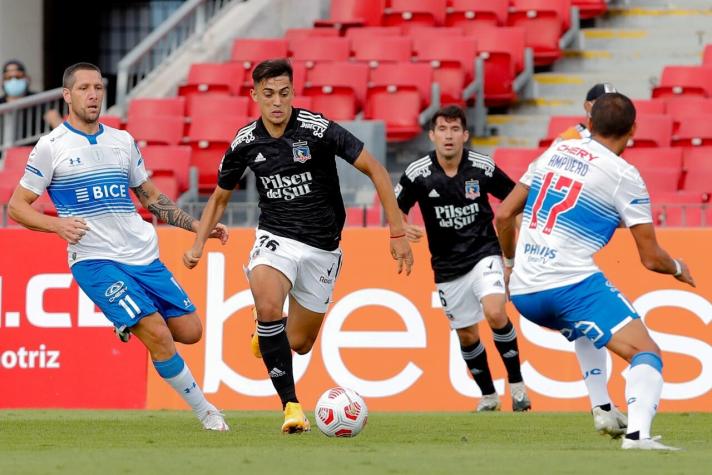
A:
[312,271]
[461,297]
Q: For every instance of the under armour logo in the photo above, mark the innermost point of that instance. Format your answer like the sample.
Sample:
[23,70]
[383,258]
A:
[75,161]
[188,389]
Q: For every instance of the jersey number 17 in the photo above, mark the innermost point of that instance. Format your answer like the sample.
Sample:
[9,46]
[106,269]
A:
[568,201]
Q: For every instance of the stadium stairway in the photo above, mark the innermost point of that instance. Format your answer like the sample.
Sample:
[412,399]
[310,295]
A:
[627,47]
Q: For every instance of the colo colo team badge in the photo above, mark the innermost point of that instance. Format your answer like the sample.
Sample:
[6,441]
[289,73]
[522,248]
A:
[300,151]
[472,189]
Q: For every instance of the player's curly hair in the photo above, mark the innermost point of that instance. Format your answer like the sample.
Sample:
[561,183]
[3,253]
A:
[272,68]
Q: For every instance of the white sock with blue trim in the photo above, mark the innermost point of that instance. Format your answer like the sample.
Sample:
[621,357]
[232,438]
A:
[176,373]
[592,362]
[642,391]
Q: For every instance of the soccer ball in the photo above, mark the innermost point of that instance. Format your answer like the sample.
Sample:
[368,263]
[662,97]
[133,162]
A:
[341,412]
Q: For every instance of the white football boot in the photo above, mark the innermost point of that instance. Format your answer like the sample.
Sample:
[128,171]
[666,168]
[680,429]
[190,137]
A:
[214,420]
[647,444]
[489,402]
[520,398]
[613,422]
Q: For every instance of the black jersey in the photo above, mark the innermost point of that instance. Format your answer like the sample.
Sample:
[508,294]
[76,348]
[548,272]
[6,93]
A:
[456,211]
[299,194]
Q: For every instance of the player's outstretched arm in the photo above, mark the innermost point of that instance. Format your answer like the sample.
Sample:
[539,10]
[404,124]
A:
[208,221]
[655,258]
[400,249]
[21,210]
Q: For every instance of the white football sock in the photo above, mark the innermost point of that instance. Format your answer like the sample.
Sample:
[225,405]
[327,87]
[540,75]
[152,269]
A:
[593,368]
[642,391]
[176,373]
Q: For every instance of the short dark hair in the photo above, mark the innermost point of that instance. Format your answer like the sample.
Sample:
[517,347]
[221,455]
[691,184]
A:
[449,113]
[612,115]
[13,62]
[68,77]
[272,68]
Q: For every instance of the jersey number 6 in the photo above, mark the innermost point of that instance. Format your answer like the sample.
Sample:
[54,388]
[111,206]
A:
[568,201]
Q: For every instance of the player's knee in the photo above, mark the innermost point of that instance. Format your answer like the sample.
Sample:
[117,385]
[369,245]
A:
[496,317]
[301,346]
[268,312]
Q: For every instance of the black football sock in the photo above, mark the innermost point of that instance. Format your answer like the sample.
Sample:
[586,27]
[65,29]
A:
[505,339]
[476,358]
[277,356]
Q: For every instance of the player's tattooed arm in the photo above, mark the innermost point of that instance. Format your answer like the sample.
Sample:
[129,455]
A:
[163,207]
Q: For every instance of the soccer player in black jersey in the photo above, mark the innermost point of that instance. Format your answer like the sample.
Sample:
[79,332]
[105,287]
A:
[451,185]
[296,252]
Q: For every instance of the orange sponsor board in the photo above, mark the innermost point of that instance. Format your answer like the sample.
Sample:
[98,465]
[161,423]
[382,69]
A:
[386,337]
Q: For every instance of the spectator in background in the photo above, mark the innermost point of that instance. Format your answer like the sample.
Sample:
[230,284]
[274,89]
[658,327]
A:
[580,131]
[16,85]
[15,82]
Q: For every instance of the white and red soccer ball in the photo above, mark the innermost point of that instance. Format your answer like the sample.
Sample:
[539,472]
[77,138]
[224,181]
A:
[340,412]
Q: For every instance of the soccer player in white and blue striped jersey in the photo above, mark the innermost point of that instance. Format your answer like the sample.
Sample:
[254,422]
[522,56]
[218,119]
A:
[88,170]
[573,197]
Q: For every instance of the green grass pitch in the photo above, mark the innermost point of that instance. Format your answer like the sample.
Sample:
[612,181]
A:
[171,442]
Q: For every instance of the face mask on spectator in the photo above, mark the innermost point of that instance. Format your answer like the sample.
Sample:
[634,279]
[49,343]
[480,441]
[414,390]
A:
[15,87]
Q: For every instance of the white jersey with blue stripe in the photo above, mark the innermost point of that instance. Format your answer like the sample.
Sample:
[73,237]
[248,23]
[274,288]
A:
[90,176]
[579,193]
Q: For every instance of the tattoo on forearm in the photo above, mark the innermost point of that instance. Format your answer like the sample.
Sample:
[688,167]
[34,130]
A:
[167,211]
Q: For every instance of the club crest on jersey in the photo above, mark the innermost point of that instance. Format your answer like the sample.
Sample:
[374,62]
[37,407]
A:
[472,189]
[300,151]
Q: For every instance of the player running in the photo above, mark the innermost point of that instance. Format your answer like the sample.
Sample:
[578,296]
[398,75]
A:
[296,252]
[573,197]
[88,168]
[451,185]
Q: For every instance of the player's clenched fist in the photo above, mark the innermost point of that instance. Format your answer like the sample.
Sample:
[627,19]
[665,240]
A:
[192,257]
[71,229]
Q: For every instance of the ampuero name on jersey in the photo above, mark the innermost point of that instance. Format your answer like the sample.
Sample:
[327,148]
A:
[287,187]
[451,216]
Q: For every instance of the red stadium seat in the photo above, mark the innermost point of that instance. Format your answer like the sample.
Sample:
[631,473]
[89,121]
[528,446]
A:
[420,32]
[649,106]
[452,61]
[694,131]
[337,90]
[681,107]
[301,102]
[16,158]
[474,15]
[350,13]
[558,124]
[251,51]
[410,13]
[515,161]
[685,80]
[294,33]
[169,159]
[372,32]
[310,52]
[652,130]
[111,121]
[217,105]
[144,107]
[661,180]
[590,8]
[156,130]
[209,138]
[655,158]
[544,21]
[375,50]
[397,94]
[224,78]
[502,50]
[167,184]
[7,188]
[707,55]
[698,169]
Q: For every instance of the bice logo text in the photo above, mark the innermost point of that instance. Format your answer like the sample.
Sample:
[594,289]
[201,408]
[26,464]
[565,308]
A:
[287,187]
